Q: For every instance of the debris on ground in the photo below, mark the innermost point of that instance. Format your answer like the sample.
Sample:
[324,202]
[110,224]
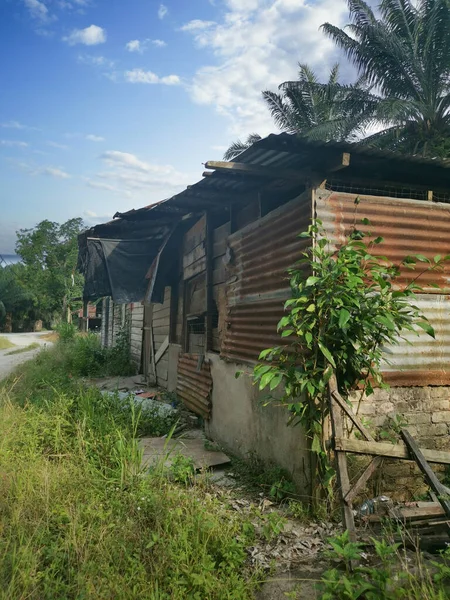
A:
[161,448]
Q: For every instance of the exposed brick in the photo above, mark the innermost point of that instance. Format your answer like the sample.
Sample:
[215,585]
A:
[441,417]
[440,404]
[417,418]
[439,392]
[421,431]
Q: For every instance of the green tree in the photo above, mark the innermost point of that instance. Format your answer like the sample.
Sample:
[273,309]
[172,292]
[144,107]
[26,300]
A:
[322,111]
[339,319]
[49,253]
[405,54]
[14,297]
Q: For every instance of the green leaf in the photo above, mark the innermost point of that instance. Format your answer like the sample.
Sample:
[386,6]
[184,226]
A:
[238,374]
[344,317]
[378,240]
[327,354]
[437,258]
[264,353]
[427,328]
[287,332]
[312,279]
[308,337]
[315,445]
[266,379]
[421,258]
[275,381]
[311,308]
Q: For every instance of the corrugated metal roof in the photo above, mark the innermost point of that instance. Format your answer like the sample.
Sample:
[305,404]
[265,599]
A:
[288,151]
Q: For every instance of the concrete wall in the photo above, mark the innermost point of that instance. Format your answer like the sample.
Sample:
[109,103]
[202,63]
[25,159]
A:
[425,412]
[241,423]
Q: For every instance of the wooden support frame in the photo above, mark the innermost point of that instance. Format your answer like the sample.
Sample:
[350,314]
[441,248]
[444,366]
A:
[407,451]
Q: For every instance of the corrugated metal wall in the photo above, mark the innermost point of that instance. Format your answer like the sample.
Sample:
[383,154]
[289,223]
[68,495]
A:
[408,227]
[194,383]
[161,329]
[257,282]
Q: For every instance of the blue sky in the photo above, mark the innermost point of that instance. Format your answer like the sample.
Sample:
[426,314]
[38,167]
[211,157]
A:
[109,105]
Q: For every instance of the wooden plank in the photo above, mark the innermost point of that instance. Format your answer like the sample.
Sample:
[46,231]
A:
[341,460]
[162,349]
[252,170]
[407,513]
[341,162]
[351,415]
[221,233]
[195,268]
[152,350]
[364,478]
[196,254]
[388,450]
[442,492]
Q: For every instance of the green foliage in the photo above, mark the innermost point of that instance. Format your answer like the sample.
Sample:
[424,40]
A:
[259,475]
[22,349]
[403,50]
[182,469]
[338,321]
[66,331]
[49,252]
[388,579]
[14,296]
[272,525]
[79,519]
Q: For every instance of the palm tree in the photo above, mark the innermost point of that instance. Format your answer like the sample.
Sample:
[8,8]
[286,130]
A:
[405,53]
[316,110]
[238,146]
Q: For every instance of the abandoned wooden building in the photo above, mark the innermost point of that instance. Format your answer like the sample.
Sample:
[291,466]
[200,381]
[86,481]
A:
[201,280]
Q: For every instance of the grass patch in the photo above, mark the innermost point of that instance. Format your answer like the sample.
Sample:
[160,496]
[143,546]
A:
[78,517]
[51,336]
[32,346]
[5,343]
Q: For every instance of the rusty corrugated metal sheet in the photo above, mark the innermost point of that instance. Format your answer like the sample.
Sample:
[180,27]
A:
[419,360]
[194,384]
[408,227]
[258,282]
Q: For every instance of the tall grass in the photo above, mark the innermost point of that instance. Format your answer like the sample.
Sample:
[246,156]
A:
[78,517]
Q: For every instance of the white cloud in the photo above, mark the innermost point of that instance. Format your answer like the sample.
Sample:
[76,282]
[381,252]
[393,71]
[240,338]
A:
[95,61]
[141,46]
[134,46]
[37,10]
[162,11]
[52,172]
[128,175]
[13,144]
[95,138]
[141,76]
[16,125]
[219,148]
[90,36]
[197,25]
[57,145]
[256,46]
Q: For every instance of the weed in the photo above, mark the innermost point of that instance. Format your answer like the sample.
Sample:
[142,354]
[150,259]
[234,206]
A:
[78,517]
[66,332]
[28,348]
[390,578]
[182,469]
[275,481]
[5,343]
[272,524]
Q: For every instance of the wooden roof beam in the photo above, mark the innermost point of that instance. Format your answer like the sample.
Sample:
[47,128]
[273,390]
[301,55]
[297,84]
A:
[258,171]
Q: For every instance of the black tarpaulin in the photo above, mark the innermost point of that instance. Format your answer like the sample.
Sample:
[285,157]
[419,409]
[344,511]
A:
[115,257]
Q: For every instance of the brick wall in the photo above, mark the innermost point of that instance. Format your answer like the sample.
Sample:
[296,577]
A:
[426,414]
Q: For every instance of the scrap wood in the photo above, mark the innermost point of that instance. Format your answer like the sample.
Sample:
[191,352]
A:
[405,513]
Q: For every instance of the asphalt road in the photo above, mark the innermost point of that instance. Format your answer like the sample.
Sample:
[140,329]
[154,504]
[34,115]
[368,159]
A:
[9,363]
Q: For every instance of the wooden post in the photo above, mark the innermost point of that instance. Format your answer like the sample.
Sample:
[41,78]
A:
[85,321]
[341,461]
[209,280]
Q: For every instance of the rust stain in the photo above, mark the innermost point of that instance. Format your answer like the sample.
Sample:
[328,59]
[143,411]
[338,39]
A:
[194,384]
[406,226]
[258,282]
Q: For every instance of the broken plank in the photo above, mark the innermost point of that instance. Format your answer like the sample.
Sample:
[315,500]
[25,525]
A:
[361,483]
[407,513]
[351,415]
[341,460]
[439,488]
[161,350]
[388,450]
